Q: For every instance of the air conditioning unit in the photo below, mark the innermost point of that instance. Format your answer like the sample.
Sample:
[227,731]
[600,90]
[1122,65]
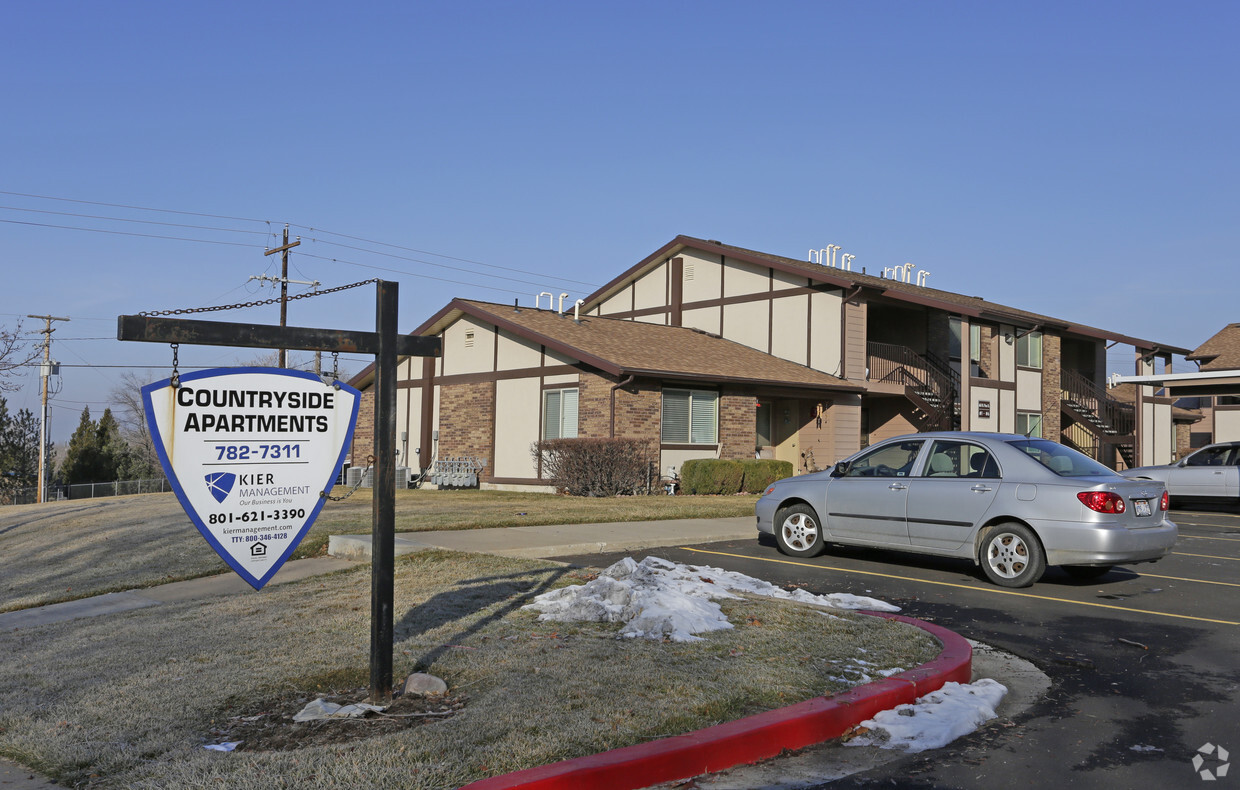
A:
[402,477]
[354,475]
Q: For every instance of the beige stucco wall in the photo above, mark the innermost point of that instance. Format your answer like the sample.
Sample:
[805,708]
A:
[515,353]
[706,319]
[676,458]
[748,323]
[459,358]
[1029,390]
[1226,425]
[785,280]
[517,406]
[700,277]
[825,314]
[741,278]
[976,395]
[1005,353]
[650,290]
[1007,411]
[789,338]
[657,318]
[621,301]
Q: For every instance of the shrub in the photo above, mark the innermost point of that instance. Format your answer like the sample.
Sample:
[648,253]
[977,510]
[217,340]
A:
[595,467]
[760,473]
[711,476]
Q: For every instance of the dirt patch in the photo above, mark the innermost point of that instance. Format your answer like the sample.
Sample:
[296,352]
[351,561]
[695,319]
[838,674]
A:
[270,727]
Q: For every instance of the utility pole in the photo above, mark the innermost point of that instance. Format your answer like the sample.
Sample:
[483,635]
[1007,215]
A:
[284,285]
[45,370]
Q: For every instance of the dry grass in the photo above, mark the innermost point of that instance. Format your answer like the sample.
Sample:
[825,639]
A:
[63,551]
[128,700]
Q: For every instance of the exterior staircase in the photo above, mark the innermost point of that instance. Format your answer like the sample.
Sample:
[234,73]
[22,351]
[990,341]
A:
[1108,421]
[929,383]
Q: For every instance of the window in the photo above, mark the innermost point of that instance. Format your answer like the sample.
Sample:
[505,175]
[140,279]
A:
[1061,460]
[960,459]
[888,460]
[1029,423]
[1029,350]
[690,417]
[560,414]
[1212,456]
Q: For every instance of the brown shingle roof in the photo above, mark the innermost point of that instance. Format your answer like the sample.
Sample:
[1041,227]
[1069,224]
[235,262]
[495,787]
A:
[622,347]
[1221,352]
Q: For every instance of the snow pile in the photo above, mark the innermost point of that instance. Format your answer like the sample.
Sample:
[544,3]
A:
[657,599]
[935,720]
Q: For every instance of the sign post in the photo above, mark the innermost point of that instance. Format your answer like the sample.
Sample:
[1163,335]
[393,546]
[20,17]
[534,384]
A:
[385,344]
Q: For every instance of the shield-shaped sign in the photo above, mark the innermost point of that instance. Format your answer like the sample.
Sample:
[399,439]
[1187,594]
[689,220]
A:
[250,452]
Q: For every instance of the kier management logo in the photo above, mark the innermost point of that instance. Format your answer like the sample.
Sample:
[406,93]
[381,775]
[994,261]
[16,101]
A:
[1216,756]
[220,484]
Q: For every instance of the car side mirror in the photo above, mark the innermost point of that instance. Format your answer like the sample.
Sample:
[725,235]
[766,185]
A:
[840,469]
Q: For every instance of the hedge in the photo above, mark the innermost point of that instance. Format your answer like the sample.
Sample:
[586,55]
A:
[714,476]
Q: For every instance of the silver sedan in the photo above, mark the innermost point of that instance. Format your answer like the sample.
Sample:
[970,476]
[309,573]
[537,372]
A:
[1010,503]
[1212,474]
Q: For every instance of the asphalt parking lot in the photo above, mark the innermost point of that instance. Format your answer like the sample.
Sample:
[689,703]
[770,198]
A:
[1143,661]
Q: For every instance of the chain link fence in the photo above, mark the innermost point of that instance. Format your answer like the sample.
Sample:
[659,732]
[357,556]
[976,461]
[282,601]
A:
[27,496]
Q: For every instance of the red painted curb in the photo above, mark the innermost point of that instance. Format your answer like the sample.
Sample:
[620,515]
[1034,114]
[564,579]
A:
[750,739]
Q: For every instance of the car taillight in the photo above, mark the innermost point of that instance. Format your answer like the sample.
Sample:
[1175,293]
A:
[1102,501]
[1165,502]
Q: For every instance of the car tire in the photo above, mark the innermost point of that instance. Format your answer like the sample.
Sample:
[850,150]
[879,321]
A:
[798,531]
[1011,556]
[1087,572]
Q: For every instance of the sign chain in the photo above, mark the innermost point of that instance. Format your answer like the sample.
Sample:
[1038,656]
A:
[260,303]
[370,464]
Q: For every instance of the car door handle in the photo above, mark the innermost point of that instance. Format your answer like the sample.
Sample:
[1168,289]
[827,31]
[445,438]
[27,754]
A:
[981,489]
[897,486]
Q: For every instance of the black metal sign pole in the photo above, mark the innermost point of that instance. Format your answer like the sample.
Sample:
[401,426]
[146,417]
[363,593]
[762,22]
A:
[386,345]
[383,508]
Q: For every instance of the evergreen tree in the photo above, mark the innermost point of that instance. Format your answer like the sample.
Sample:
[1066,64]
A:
[81,462]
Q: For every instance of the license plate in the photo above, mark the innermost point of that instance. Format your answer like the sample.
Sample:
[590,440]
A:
[1143,506]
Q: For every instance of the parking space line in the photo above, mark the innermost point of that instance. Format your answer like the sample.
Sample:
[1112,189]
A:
[1208,537]
[1182,579]
[996,590]
[1203,556]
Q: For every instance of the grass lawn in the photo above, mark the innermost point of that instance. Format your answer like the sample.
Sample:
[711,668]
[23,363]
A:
[129,700]
[62,551]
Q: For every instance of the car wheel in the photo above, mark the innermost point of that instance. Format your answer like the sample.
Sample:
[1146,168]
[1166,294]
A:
[1085,572]
[798,532]
[1011,556]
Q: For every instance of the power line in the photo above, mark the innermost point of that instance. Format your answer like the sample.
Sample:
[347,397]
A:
[130,233]
[135,208]
[136,221]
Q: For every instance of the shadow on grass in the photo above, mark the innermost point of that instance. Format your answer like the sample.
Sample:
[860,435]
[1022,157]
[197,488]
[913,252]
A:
[471,597]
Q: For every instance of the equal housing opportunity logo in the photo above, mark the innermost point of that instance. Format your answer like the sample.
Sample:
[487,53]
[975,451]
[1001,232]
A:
[1216,757]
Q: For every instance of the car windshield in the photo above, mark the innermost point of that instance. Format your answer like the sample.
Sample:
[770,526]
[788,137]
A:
[1061,460]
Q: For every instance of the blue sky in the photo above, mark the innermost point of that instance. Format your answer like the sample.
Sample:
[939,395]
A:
[1075,159]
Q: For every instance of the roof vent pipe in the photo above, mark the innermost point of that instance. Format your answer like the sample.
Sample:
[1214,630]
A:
[812,254]
[516,305]
[577,310]
[921,277]
[563,296]
[834,249]
[538,300]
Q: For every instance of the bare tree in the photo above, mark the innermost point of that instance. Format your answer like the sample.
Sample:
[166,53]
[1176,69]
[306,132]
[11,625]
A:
[15,353]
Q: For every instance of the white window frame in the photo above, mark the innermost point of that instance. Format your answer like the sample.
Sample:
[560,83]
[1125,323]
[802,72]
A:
[1022,423]
[1024,348]
[700,419]
[560,413]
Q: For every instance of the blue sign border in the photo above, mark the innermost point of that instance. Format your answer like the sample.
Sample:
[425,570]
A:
[166,463]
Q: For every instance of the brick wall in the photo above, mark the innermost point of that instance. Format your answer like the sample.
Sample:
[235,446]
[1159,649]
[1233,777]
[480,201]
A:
[1052,367]
[986,359]
[364,430]
[467,422]
[737,424]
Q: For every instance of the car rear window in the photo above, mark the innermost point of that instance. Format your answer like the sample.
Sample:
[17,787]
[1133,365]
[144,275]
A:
[1063,461]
